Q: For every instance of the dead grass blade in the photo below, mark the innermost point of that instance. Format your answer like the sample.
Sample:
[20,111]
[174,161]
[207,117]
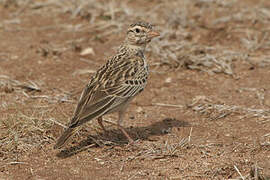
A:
[235,167]
[168,105]
[214,111]
[7,81]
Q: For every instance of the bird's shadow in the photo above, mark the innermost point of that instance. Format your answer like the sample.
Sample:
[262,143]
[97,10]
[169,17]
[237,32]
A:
[116,137]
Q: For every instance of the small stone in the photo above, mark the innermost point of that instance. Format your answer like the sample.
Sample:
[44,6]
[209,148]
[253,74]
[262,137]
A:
[139,109]
[87,51]
[168,80]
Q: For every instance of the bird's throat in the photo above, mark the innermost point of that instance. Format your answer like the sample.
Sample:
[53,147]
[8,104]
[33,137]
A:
[136,48]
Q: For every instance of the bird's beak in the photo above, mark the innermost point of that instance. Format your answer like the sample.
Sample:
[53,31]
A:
[153,34]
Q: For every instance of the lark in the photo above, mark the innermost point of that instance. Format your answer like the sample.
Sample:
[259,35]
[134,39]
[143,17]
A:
[115,84]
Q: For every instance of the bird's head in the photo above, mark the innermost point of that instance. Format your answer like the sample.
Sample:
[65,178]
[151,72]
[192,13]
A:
[139,34]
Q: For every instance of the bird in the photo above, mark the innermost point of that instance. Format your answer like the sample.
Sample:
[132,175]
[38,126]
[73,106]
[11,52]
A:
[115,84]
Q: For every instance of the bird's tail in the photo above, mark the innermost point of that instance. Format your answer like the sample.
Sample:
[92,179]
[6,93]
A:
[69,132]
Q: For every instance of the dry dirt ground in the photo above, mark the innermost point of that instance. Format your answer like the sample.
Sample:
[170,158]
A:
[205,113]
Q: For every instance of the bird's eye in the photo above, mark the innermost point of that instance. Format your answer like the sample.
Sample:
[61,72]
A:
[137,30]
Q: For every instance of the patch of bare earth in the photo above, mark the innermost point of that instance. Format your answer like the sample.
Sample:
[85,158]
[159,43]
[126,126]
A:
[205,113]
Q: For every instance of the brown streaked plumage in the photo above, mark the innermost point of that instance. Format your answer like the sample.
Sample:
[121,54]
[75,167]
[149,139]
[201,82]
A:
[115,84]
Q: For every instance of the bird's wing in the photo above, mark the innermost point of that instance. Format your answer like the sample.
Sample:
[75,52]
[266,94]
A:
[113,85]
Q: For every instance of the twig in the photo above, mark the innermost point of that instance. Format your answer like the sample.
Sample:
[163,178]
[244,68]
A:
[256,171]
[168,105]
[189,137]
[96,141]
[56,122]
[31,86]
[186,176]
[238,172]
[132,176]
[15,162]
[110,122]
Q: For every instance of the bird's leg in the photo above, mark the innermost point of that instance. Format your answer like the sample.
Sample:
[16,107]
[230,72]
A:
[101,124]
[121,116]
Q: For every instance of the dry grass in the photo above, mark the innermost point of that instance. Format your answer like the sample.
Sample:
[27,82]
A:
[161,151]
[179,44]
[218,110]
[10,85]
[21,133]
